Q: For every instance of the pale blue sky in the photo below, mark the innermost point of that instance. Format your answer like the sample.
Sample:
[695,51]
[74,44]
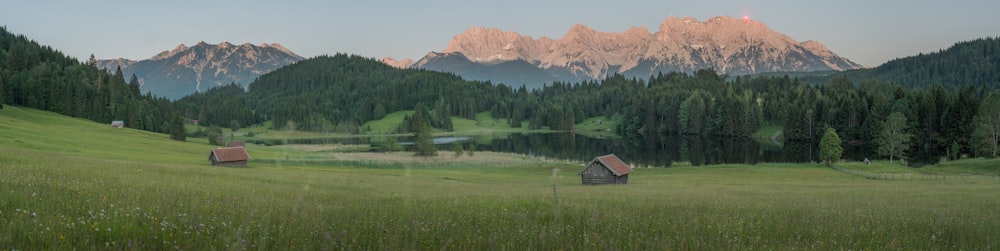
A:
[867,32]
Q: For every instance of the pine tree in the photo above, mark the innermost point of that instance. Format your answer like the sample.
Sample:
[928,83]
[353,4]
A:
[516,117]
[177,129]
[423,137]
[92,61]
[133,87]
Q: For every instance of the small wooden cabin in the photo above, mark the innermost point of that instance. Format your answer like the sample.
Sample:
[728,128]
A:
[118,124]
[607,169]
[229,156]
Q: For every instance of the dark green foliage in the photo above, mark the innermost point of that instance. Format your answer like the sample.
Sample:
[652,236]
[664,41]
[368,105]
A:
[234,125]
[215,136]
[177,129]
[987,134]
[346,91]
[972,62]
[830,149]
[389,145]
[423,139]
[458,149]
[37,76]
[894,140]
[219,106]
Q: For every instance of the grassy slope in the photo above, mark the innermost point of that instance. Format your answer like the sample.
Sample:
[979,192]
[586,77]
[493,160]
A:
[388,124]
[68,183]
[591,128]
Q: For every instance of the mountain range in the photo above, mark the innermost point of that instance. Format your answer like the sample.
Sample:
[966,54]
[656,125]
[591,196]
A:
[728,45]
[186,70]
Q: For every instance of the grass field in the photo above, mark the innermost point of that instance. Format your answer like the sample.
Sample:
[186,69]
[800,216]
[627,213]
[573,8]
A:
[72,184]
[597,127]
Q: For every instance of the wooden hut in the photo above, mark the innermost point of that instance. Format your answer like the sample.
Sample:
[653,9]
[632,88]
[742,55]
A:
[229,156]
[607,169]
[118,124]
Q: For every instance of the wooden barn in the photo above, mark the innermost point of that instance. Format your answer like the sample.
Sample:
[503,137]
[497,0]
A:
[607,169]
[229,156]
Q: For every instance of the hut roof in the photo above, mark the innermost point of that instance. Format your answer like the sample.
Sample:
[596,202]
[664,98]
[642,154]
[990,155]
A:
[613,163]
[228,154]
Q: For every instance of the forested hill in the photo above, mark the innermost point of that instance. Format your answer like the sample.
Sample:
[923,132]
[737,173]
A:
[37,76]
[328,93]
[973,63]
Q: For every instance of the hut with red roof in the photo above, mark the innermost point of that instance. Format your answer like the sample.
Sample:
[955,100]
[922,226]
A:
[607,169]
[229,156]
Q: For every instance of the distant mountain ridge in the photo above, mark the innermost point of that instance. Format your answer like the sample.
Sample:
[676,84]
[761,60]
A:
[728,45]
[186,70]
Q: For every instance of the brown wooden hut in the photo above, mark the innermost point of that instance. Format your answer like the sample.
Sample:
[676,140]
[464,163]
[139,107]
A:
[229,156]
[607,169]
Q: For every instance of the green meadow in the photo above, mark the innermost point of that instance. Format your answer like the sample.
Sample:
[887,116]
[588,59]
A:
[73,184]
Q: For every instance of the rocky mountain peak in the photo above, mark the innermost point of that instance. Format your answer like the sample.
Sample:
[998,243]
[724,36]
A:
[279,47]
[401,64]
[579,30]
[113,64]
[170,53]
[729,45]
[488,45]
[185,70]
[734,46]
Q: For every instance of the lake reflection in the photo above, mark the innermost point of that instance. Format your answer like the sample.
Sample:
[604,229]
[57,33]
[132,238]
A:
[649,152]
[669,151]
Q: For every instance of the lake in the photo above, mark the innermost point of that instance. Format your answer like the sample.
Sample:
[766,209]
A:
[674,150]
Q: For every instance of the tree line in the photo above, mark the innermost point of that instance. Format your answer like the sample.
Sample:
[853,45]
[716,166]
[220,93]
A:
[37,76]
[339,93]
[972,62]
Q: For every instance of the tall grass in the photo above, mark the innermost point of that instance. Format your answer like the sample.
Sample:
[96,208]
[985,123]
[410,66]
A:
[51,198]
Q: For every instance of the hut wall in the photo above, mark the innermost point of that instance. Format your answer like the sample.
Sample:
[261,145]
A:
[215,162]
[595,174]
[621,179]
[233,163]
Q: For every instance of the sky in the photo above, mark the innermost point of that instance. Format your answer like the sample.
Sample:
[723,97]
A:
[867,32]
